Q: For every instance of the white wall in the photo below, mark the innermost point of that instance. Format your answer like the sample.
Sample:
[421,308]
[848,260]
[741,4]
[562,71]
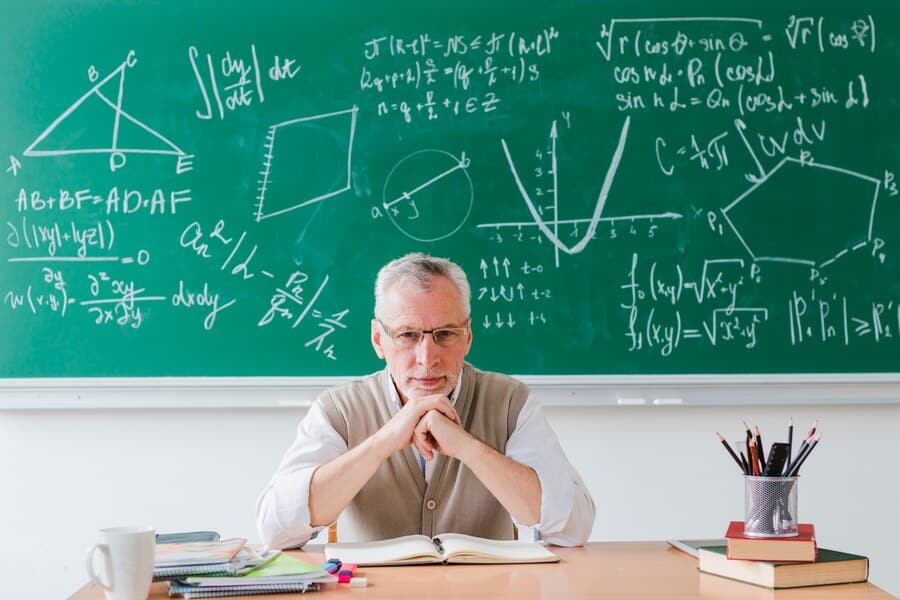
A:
[655,472]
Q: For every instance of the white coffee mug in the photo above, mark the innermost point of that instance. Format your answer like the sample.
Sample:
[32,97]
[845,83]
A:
[128,562]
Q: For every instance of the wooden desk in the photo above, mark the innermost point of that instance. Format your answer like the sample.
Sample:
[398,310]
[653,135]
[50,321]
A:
[599,570]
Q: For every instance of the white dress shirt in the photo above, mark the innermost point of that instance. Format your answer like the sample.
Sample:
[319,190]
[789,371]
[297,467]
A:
[567,509]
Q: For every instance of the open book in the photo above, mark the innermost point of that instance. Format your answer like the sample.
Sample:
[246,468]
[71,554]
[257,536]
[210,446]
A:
[444,548]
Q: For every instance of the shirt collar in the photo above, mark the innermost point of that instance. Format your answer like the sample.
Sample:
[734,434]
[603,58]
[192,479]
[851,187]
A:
[395,395]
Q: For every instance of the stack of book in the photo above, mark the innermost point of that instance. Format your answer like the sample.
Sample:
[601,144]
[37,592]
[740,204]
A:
[217,568]
[283,574]
[210,557]
[783,562]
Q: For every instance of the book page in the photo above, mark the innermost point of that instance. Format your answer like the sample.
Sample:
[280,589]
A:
[410,549]
[459,547]
[692,547]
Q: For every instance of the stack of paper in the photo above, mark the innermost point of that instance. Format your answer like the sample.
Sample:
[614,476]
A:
[282,574]
[217,557]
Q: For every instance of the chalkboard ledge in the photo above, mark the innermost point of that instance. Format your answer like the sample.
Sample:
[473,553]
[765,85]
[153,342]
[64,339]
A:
[569,390]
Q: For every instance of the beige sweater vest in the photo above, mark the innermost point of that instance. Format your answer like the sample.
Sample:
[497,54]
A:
[396,501]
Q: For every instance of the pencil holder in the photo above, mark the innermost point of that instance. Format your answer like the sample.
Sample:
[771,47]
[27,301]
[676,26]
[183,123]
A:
[770,506]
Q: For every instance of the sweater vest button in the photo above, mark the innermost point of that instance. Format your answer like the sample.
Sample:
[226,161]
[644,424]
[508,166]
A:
[430,504]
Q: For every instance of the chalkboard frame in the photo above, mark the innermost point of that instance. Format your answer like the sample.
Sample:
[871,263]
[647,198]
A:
[552,391]
[630,388]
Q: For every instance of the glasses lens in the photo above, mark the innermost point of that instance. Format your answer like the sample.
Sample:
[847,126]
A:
[446,337]
[409,338]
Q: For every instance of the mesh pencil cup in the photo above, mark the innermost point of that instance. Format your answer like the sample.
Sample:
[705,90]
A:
[770,506]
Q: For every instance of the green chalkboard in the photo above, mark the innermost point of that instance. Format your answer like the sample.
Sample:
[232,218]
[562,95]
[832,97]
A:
[195,189]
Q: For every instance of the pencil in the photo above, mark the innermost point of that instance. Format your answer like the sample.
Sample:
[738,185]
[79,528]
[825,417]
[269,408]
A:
[760,450]
[749,435]
[754,458]
[790,444]
[803,446]
[812,429]
[744,464]
[795,470]
[730,451]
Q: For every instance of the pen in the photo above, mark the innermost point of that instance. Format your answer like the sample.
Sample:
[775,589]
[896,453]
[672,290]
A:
[801,459]
[744,466]
[731,452]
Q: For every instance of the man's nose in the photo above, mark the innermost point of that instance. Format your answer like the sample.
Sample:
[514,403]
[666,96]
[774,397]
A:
[427,351]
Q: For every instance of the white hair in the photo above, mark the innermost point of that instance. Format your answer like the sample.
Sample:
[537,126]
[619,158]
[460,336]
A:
[421,269]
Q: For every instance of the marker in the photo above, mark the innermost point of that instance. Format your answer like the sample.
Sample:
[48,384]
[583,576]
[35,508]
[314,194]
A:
[348,570]
[332,566]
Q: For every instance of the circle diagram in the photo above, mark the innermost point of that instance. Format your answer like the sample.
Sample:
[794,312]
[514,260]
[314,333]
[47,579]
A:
[428,195]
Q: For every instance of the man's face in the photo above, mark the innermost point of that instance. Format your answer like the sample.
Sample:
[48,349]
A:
[427,367]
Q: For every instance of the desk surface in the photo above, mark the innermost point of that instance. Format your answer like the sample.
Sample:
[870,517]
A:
[599,570]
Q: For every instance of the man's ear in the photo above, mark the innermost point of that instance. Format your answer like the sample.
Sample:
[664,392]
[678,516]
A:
[376,339]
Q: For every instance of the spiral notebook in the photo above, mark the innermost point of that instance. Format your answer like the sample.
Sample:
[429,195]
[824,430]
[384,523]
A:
[247,559]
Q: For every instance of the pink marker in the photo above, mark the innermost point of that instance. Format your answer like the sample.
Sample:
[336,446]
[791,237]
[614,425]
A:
[348,570]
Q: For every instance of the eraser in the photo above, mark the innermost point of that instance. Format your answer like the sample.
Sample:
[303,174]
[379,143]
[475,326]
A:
[359,582]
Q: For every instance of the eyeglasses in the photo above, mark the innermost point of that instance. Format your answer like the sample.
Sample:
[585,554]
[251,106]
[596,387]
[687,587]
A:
[446,337]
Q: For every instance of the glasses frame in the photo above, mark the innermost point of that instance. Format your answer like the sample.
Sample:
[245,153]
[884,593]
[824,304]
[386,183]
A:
[393,333]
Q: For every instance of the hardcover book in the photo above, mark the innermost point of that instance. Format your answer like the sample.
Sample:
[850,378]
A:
[831,567]
[781,549]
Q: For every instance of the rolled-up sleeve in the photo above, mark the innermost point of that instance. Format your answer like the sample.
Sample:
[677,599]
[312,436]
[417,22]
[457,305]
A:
[282,511]
[567,509]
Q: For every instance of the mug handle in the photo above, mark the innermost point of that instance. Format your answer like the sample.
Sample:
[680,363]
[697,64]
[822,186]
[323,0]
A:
[107,563]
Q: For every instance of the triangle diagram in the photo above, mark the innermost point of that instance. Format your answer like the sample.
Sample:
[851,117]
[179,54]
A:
[89,126]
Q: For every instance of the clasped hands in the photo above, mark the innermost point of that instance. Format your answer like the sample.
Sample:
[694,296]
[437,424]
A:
[431,424]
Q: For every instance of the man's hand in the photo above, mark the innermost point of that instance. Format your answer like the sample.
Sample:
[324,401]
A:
[435,432]
[516,486]
[398,433]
